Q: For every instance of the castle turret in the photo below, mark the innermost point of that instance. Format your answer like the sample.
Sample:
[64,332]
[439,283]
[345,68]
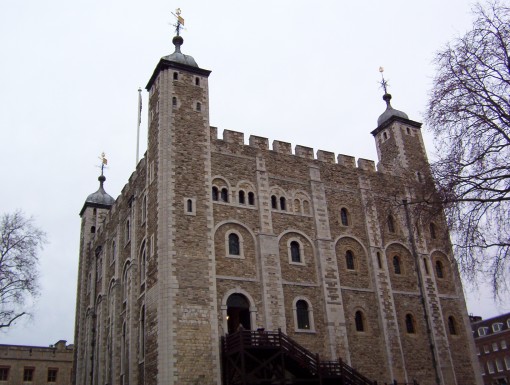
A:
[399,142]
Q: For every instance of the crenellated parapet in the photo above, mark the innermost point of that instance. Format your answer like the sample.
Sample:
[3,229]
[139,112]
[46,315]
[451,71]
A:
[259,143]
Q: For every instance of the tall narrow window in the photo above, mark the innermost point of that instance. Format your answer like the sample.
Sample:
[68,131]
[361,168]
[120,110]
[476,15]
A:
[199,106]
[241,197]
[303,318]
[251,198]
[358,320]
[144,208]
[283,204]
[143,260]
[224,194]
[233,244]
[439,269]
[396,265]
[174,101]
[344,217]
[426,265]
[215,193]
[295,252]
[197,81]
[274,204]
[432,231]
[349,260]
[176,75]
[410,324]
[391,224]
[379,262]
[128,230]
[142,332]
[451,325]
[297,206]
[189,206]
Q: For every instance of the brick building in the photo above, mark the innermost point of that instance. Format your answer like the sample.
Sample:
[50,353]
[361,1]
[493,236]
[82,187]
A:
[210,234]
[492,340]
[36,365]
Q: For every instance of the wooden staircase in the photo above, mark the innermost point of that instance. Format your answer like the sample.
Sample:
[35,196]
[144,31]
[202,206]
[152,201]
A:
[271,358]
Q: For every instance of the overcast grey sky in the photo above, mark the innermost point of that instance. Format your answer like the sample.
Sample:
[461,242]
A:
[305,72]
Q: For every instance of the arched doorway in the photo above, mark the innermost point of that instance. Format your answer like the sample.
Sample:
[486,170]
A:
[238,312]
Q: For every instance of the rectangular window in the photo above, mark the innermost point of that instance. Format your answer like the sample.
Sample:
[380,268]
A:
[507,362]
[499,365]
[482,369]
[503,344]
[4,373]
[486,349]
[28,374]
[490,366]
[52,375]
[497,327]
[482,331]
[495,347]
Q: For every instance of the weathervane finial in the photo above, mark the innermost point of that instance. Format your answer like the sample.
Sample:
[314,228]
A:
[180,21]
[384,82]
[104,162]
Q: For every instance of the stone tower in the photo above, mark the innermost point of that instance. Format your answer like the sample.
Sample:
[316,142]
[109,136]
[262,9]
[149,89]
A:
[180,292]
[211,236]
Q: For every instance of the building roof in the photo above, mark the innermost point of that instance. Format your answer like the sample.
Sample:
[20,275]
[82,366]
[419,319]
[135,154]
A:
[390,111]
[491,326]
[100,198]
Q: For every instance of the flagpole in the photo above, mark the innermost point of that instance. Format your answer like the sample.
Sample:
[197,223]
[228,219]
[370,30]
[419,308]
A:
[139,121]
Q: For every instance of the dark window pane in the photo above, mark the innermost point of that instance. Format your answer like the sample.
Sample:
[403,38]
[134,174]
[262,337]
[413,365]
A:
[251,198]
[233,244]
[343,216]
[215,193]
[295,252]
[358,319]
[273,202]
[396,265]
[409,324]
[349,260]
[224,195]
[241,197]
[303,319]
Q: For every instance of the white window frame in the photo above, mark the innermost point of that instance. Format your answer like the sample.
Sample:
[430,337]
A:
[503,344]
[507,362]
[310,315]
[497,327]
[482,331]
[301,252]
[499,365]
[495,347]
[241,245]
[490,367]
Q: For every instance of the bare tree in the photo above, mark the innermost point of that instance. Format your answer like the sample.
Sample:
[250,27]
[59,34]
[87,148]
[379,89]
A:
[469,114]
[19,246]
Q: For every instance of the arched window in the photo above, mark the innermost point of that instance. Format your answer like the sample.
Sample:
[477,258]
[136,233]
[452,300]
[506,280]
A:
[283,204]
[451,325]
[295,252]
[306,207]
[432,231]
[358,321]
[349,260]
[297,206]
[189,206]
[439,269]
[274,202]
[343,216]
[251,198]
[410,324]
[224,194]
[391,224]
[215,193]
[234,244]
[396,265]
[303,318]
[241,197]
